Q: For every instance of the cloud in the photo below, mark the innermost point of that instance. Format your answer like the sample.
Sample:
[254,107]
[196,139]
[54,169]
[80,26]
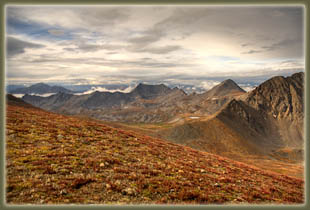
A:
[247,87]
[182,44]
[85,17]
[252,52]
[56,32]
[88,47]
[155,50]
[181,16]
[103,89]
[83,46]
[207,85]
[281,44]
[245,45]
[16,46]
[147,37]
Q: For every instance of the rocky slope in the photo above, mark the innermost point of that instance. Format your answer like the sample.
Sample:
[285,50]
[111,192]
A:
[269,119]
[282,99]
[56,159]
[274,110]
[150,91]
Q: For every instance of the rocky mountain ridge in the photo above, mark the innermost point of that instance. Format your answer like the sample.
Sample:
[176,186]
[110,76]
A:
[146,103]
[40,88]
[269,119]
[282,97]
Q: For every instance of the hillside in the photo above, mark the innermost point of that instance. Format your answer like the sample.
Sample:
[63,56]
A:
[55,159]
[13,101]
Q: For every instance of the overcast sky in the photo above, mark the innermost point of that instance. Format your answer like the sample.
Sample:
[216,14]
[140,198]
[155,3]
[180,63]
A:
[199,45]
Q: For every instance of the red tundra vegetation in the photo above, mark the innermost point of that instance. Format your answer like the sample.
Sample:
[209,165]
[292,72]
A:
[56,159]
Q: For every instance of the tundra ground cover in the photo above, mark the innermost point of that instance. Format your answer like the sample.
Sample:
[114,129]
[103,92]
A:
[56,159]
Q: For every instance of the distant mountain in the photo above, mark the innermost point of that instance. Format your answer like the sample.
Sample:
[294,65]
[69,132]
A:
[106,100]
[150,91]
[211,101]
[52,102]
[145,103]
[40,88]
[10,88]
[225,88]
[70,103]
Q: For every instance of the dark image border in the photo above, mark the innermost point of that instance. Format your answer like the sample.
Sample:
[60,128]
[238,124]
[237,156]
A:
[304,3]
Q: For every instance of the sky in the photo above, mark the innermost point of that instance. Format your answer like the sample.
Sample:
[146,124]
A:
[191,45]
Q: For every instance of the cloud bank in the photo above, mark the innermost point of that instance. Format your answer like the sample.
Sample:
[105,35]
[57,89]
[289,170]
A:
[193,45]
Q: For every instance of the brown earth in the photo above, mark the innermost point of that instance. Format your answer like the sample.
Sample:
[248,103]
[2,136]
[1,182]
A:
[56,159]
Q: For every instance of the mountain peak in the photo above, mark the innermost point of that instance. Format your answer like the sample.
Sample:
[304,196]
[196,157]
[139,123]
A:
[41,84]
[141,85]
[150,91]
[282,97]
[229,83]
[227,87]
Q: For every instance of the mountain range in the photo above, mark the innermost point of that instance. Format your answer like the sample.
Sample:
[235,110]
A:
[40,88]
[155,103]
[225,120]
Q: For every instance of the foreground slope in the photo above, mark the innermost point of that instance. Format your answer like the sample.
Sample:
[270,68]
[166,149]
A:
[55,159]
